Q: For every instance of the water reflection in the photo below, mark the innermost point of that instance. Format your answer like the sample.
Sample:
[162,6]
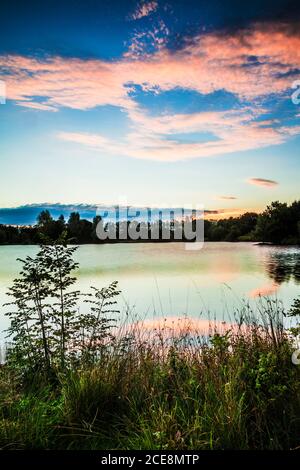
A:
[283,266]
[264,290]
[165,280]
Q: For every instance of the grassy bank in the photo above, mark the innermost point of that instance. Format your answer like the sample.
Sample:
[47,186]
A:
[237,390]
[77,379]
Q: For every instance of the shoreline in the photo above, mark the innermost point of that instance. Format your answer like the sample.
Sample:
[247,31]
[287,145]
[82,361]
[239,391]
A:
[124,242]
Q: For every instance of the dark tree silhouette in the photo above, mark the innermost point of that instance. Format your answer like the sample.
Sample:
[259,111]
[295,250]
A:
[278,224]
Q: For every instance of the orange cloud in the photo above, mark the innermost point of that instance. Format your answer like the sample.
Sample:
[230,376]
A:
[262,182]
[225,213]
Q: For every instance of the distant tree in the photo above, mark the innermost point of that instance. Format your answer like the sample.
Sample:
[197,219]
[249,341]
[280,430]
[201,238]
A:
[74,226]
[96,221]
[80,230]
[60,226]
[49,227]
[247,223]
[277,224]
[233,234]
[44,218]
[74,218]
[61,220]
[3,236]
[217,232]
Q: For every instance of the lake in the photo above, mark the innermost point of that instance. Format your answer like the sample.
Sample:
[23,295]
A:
[164,280]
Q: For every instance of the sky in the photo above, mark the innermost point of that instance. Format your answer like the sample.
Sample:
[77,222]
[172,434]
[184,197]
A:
[157,103]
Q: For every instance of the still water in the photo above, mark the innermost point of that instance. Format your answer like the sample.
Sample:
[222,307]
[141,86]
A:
[165,280]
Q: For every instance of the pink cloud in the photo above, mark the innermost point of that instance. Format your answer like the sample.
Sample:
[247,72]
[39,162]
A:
[262,182]
[212,62]
[145,43]
[215,62]
[144,9]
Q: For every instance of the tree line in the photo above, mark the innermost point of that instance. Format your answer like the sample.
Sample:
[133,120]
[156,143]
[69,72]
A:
[278,224]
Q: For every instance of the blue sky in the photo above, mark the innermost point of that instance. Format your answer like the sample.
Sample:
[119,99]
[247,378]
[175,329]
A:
[159,103]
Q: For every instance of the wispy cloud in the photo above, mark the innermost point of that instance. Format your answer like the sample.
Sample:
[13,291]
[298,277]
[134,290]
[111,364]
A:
[38,106]
[262,182]
[144,9]
[154,138]
[226,198]
[144,43]
[86,139]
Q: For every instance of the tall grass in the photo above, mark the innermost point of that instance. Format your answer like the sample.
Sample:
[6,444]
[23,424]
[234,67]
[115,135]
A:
[232,389]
